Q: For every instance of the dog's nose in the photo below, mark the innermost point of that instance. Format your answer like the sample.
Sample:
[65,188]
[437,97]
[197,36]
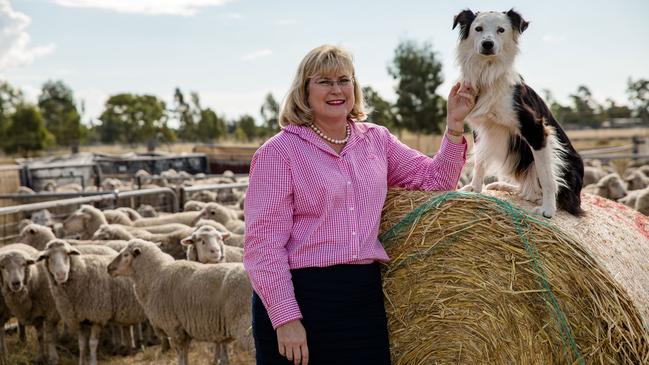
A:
[488,45]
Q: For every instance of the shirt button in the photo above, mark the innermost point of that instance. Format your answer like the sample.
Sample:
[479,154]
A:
[354,256]
[351,208]
[353,233]
[349,182]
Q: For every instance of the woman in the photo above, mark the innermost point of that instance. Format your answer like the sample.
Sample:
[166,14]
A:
[312,213]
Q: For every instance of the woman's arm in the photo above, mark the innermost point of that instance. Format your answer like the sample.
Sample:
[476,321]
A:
[269,220]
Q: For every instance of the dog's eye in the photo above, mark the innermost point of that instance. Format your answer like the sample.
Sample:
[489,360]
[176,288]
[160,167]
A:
[501,30]
[478,29]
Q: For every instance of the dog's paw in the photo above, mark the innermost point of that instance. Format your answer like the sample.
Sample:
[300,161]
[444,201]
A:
[501,186]
[467,188]
[546,212]
[534,198]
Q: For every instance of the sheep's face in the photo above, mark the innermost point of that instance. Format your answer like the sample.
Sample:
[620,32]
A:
[637,181]
[616,189]
[34,236]
[208,244]
[215,213]
[122,265]
[57,256]
[14,270]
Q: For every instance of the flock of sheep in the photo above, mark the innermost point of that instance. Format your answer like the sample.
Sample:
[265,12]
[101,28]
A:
[139,280]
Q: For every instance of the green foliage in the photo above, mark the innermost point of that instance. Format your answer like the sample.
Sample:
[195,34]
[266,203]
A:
[10,98]
[131,119]
[638,92]
[59,111]
[26,131]
[381,111]
[210,126]
[245,128]
[270,115]
[419,73]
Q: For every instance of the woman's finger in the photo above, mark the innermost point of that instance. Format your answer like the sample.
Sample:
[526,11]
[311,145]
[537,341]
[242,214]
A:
[282,349]
[289,353]
[305,354]
[297,356]
[455,88]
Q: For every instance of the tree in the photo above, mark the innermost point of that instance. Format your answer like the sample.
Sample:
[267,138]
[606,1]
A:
[186,116]
[245,128]
[270,114]
[59,111]
[638,92]
[27,131]
[585,107]
[211,126]
[419,74]
[381,111]
[10,98]
[131,119]
[611,110]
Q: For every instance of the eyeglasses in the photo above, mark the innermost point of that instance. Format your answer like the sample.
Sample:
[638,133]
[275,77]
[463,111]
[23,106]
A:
[343,83]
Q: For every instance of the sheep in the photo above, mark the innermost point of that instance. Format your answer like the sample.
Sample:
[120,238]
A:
[610,187]
[204,196]
[86,220]
[234,239]
[147,211]
[38,236]
[193,206]
[220,309]
[638,200]
[132,213]
[169,242]
[25,190]
[84,293]
[26,294]
[117,217]
[592,175]
[185,218]
[221,214]
[205,245]
[636,180]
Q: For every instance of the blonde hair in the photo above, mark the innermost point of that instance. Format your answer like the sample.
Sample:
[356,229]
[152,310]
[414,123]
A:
[323,60]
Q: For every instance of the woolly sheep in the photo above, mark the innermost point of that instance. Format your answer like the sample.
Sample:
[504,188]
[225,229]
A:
[147,211]
[27,295]
[234,239]
[38,236]
[592,175]
[188,300]
[184,218]
[89,295]
[85,221]
[117,217]
[638,200]
[636,180]
[132,213]
[205,245]
[223,215]
[610,187]
[169,242]
[193,206]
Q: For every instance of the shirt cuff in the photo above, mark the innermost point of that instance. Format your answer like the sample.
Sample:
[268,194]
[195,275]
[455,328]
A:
[284,312]
[453,152]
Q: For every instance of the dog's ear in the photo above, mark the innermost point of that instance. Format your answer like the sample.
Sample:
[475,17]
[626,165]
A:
[464,18]
[518,23]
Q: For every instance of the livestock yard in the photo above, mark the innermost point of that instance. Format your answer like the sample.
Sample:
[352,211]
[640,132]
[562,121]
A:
[474,277]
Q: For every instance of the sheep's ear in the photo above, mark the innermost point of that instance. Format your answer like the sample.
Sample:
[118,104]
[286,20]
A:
[43,256]
[32,230]
[464,18]
[518,23]
[74,251]
[225,235]
[136,252]
[29,262]
[187,241]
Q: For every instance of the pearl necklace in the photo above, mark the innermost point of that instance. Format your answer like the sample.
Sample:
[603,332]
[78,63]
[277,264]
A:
[329,139]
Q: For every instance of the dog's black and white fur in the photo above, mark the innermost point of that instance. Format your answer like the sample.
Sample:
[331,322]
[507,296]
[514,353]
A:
[514,131]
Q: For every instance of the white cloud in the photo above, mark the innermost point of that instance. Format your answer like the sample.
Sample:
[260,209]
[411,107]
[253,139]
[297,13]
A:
[235,16]
[257,54]
[146,7]
[15,49]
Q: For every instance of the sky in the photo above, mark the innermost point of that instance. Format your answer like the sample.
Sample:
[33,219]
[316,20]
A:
[234,52]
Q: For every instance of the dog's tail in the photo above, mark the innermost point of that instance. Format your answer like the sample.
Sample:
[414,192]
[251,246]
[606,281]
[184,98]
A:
[570,201]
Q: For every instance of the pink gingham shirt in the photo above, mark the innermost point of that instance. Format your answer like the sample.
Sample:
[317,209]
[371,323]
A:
[307,206]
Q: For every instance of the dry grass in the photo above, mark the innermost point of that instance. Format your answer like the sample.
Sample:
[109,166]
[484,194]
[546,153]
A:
[469,285]
[201,353]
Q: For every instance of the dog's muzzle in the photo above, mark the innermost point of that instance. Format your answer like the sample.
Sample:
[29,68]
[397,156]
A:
[487,48]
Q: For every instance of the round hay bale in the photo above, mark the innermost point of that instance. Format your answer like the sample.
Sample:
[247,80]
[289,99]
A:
[474,279]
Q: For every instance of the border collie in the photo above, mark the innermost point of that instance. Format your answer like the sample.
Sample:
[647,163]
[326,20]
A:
[515,134]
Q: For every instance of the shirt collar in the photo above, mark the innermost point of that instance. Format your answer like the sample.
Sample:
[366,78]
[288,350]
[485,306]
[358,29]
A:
[358,131]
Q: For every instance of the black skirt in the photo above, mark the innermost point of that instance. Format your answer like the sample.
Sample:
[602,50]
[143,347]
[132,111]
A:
[344,317]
